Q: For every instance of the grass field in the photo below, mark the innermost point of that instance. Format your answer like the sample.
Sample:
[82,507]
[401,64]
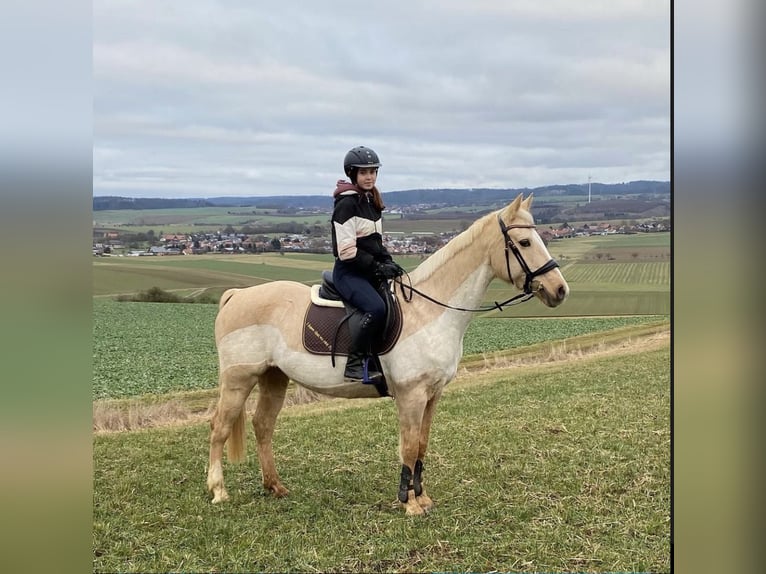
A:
[158,348]
[552,468]
[560,467]
[198,219]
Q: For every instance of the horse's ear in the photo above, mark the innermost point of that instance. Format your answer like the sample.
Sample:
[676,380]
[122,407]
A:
[511,210]
[527,203]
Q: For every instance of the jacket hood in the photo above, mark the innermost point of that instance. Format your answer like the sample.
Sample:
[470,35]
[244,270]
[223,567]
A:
[344,187]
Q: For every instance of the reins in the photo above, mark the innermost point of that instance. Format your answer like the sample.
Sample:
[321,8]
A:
[408,290]
[529,275]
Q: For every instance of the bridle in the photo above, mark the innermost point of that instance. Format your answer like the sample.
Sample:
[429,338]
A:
[510,246]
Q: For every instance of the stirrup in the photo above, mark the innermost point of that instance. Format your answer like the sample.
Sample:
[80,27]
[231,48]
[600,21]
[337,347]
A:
[366,378]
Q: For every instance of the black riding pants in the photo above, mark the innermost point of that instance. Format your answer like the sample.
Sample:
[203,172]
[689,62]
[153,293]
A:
[357,290]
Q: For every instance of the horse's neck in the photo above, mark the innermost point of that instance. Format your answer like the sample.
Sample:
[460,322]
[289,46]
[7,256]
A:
[458,275]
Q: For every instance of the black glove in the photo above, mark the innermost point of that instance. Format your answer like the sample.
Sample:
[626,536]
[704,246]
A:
[388,270]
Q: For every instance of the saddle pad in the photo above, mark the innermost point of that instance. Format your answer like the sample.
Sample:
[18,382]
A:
[321,323]
[317,299]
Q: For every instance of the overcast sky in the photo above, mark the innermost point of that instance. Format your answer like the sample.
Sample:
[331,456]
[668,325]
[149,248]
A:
[205,98]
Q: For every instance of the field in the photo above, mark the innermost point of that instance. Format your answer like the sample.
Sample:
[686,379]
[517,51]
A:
[608,275]
[198,219]
[144,348]
[157,348]
[560,463]
[563,467]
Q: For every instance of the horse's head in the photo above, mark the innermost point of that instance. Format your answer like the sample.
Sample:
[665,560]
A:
[521,256]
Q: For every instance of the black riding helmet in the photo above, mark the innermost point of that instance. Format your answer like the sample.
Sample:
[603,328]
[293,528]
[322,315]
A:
[357,157]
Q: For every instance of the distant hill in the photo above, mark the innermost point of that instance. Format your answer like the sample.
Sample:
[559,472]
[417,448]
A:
[462,197]
[405,198]
[109,202]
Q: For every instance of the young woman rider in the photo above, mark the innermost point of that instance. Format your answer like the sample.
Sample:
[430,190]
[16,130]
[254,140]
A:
[362,262]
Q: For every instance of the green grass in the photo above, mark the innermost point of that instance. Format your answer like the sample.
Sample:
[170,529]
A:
[558,468]
[196,220]
[158,348]
[141,348]
[127,274]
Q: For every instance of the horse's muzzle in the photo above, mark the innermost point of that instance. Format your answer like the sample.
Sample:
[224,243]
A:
[554,297]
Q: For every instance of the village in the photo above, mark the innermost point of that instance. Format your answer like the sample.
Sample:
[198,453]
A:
[398,243]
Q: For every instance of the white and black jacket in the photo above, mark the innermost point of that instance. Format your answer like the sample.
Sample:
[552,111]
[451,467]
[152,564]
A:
[357,230]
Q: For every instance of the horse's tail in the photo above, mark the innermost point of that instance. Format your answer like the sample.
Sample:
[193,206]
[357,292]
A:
[236,444]
[225,297]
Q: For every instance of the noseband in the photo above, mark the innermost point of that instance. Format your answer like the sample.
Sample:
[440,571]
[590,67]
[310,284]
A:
[511,246]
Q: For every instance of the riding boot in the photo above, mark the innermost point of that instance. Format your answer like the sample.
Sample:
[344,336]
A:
[358,367]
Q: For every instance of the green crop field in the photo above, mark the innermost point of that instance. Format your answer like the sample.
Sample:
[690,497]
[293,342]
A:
[620,275]
[198,219]
[157,348]
[115,275]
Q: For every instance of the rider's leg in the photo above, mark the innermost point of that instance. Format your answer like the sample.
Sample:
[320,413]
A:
[361,329]
[360,293]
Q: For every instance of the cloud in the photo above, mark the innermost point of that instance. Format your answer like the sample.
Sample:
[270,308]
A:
[226,98]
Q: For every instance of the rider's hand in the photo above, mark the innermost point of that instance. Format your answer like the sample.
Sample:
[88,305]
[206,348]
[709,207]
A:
[388,270]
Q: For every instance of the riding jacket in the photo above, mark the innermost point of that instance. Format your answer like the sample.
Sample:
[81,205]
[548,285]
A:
[357,230]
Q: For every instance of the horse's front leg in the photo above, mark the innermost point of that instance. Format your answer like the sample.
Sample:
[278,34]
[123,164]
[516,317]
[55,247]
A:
[411,406]
[422,498]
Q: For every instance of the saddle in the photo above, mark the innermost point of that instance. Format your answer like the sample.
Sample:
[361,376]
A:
[326,325]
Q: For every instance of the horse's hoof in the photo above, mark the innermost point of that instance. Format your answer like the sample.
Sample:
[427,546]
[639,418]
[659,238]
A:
[414,510]
[221,496]
[278,490]
[425,502]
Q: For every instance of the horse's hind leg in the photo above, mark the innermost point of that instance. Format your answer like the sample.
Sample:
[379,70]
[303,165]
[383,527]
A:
[228,423]
[271,397]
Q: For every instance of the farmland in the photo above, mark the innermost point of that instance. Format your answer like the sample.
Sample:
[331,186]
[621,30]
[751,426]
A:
[142,348]
[554,464]
[156,348]
[198,219]
[420,210]
[608,275]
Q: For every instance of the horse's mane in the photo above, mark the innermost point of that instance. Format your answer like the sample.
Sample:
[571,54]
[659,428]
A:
[455,246]
[461,242]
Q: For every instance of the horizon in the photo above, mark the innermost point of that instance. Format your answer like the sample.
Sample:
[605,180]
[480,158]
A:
[329,194]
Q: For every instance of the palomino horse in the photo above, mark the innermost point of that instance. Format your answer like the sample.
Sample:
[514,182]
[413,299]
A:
[258,334]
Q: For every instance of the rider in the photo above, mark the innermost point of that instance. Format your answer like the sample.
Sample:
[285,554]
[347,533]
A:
[362,262]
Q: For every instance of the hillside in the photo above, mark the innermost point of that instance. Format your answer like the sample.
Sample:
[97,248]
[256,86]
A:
[394,199]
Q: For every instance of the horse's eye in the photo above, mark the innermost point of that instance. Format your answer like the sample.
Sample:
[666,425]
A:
[525,243]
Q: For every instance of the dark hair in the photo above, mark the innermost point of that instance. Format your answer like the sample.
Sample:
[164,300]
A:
[377,199]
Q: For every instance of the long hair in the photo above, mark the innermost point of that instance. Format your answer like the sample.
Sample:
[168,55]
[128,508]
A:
[377,199]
